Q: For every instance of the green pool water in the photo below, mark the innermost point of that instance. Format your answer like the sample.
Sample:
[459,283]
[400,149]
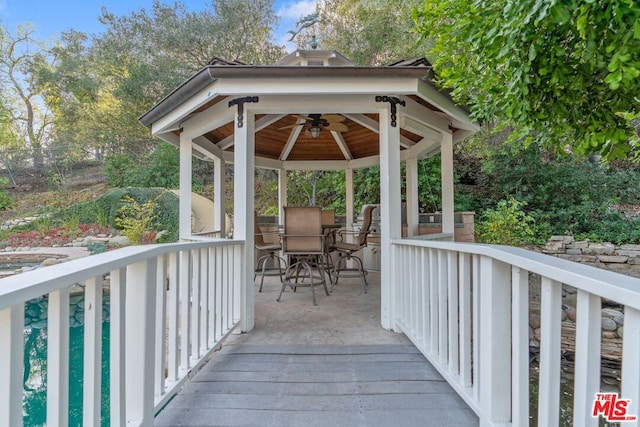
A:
[35,359]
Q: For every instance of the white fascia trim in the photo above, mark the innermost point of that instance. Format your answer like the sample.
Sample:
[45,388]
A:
[431,95]
[310,86]
[172,119]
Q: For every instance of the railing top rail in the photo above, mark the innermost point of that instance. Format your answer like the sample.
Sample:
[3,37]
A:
[617,287]
[32,284]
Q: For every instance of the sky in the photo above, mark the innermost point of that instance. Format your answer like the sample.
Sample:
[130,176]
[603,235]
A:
[51,17]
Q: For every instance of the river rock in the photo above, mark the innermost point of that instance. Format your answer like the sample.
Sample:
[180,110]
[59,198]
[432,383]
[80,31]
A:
[571,313]
[620,332]
[609,324]
[534,320]
[610,335]
[614,314]
[571,300]
[117,241]
[50,261]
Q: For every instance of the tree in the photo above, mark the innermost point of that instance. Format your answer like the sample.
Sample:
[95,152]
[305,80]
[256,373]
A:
[20,55]
[369,32]
[104,83]
[565,73]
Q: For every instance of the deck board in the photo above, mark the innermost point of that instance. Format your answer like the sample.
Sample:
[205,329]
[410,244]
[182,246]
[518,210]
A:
[289,385]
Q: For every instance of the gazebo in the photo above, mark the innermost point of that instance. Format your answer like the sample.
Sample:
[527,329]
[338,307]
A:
[313,110]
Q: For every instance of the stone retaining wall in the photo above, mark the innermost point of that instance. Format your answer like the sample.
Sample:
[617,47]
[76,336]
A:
[623,259]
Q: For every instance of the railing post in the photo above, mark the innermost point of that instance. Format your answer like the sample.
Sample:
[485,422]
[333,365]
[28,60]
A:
[587,366]
[58,358]
[117,332]
[495,341]
[549,382]
[11,365]
[466,361]
[174,320]
[520,339]
[631,362]
[454,323]
[140,317]
[160,362]
[185,309]
[92,372]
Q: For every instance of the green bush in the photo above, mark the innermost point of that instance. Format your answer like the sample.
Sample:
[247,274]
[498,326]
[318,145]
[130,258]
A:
[161,169]
[137,220]
[5,200]
[508,224]
[105,209]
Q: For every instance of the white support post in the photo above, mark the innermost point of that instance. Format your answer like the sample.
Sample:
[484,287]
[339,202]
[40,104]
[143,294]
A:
[348,181]
[495,341]
[92,369]
[390,228]
[11,365]
[243,207]
[185,188]
[219,197]
[413,217]
[140,315]
[446,160]
[58,358]
[588,337]
[282,194]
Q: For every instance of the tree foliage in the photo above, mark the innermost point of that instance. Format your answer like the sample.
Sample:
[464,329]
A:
[562,72]
[104,82]
[21,103]
[369,32]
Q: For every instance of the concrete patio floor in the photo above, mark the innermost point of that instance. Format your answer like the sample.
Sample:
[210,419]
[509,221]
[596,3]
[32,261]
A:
[345,317]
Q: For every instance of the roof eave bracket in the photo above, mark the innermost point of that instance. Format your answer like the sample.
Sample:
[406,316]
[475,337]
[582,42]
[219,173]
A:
[393,101]
[240,103]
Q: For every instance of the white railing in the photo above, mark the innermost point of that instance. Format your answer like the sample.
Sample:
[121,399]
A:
[466,307]
[171,306]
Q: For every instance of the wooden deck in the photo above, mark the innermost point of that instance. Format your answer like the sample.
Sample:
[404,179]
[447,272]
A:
[331,365]
[271,385]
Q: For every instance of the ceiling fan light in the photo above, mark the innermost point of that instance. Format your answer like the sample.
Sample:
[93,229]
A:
[314,131]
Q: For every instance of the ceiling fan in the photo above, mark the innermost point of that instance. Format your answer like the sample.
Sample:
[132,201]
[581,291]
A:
[314,123]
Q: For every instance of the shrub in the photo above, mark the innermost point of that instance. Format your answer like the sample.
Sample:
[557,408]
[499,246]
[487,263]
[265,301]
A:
[5,200]
[508,224]
[137,220]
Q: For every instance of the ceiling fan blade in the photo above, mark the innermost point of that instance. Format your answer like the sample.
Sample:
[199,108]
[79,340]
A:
[291,126]
[338,127]
[333,118]
[302,117]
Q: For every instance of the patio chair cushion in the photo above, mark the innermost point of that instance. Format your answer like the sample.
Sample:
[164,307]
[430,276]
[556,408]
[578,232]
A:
[346,246]
[267,246]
